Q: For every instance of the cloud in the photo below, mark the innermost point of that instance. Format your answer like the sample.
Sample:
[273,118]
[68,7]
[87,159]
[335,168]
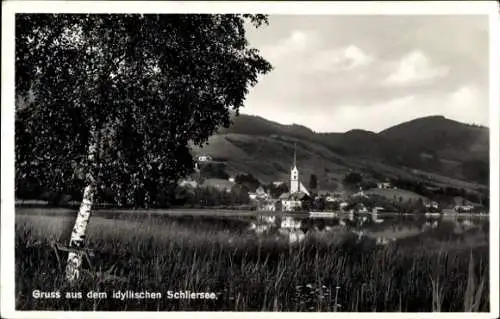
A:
[336,73]
[357,56]
[339,59]
[465,104]
[461,105]
[308,48]
[413,68]
[297,42]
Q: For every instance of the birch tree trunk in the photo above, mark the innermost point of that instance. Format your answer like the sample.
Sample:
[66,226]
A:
[75,259]
[78,234]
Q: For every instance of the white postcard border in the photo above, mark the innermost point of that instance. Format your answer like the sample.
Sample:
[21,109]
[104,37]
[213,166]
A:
[9,8]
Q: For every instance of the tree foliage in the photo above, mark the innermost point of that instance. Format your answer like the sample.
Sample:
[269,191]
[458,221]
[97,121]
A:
[313,182]
[138,87]
[248,181]
[208,196]
[352,179]
[277,190]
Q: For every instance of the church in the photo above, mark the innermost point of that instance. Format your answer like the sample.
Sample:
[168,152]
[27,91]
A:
[298,192]
[296,186]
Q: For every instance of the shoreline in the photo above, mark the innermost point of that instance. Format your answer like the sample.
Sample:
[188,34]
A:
[27,210]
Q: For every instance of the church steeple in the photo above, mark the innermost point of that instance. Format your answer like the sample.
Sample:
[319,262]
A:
[294,173]
[294,154]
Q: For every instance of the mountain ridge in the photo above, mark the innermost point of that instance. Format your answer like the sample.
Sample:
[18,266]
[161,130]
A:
[436,116]
[434,145]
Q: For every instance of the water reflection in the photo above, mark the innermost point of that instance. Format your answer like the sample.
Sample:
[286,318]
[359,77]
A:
[383,229]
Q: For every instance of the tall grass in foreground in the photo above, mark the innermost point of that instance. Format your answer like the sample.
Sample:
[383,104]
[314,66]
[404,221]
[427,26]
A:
[326,272]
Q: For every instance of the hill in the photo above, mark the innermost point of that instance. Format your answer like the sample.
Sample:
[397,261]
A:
[256,125]
[408,151]
[457,149]
[433,144]
[396,194]
[450,139]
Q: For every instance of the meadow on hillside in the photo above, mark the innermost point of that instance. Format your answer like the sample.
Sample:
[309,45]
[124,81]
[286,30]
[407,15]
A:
[433,271]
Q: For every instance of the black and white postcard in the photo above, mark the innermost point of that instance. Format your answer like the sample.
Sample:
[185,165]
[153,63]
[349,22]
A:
[231,158]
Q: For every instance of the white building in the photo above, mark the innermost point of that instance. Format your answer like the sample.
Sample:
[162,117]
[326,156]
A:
[269,206]
[204,158]
[259,193]
[296,186]
[344,205]
[361,193]
[332,199]
[464,208]
[291,202]
[385,185]
[432,205]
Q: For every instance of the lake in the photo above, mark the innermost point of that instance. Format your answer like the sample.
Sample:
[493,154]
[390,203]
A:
[382,226]
[255,261]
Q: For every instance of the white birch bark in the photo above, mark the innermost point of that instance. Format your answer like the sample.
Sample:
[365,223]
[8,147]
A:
[78,234]
[75,259]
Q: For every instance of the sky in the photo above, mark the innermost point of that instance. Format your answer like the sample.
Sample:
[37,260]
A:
[337,73]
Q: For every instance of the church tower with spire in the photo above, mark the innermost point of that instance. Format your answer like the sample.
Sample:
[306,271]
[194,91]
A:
[294,174]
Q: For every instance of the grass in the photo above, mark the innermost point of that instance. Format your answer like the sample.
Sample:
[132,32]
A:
[325,272]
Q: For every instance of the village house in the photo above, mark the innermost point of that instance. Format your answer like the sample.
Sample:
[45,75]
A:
[270,205]
[463,205]
[385,185]
[431,205]
[291,202]
[343,205]
[204,158]
[464,208]
[361,193]
[332,199]
[260,193]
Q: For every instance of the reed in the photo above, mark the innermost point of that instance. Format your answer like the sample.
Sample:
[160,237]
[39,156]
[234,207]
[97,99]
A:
[249,272]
